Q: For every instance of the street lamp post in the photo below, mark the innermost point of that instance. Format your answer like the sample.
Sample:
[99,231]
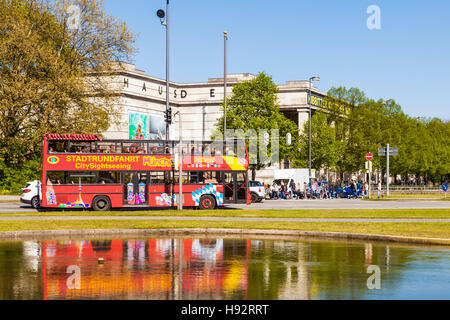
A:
[161,14]
[180,163]
[309,134]
[225,38]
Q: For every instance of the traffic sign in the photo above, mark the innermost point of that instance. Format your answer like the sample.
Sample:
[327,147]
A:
[445,187]
[369,156]
[392,152]
[369,166]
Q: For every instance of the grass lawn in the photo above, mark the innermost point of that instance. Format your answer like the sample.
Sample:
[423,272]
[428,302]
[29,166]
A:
[428,230]
[267,213]
[394,198]
[417,195]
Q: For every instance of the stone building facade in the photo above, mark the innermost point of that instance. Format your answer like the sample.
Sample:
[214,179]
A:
[199,105]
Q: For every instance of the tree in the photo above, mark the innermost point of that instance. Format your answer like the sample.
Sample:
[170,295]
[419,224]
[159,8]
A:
[254,106]
[325,148]
[424,147]
[52,78]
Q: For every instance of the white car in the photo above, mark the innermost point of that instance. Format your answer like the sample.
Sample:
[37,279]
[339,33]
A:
[257,191]
[31,194]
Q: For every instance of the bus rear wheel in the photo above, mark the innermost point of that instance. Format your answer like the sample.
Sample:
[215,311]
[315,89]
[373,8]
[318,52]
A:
[207,202]
[101,203]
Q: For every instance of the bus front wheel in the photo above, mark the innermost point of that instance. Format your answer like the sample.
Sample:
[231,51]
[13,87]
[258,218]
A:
[101,203]
[207,202]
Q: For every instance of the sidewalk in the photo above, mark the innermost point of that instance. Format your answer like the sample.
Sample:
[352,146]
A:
[97,218]
[9,198]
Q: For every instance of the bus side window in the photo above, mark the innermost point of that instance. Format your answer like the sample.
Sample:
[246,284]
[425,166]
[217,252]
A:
[108,177]
[157,177]
[56,177]
[57,146]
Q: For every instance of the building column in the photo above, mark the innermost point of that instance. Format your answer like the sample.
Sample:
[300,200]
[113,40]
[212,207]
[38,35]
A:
[303,116]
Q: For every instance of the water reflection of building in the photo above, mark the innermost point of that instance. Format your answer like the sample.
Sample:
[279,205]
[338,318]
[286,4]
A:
[296,286]
[283,270]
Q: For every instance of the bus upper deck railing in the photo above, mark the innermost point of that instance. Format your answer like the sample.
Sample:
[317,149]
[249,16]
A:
[235,147]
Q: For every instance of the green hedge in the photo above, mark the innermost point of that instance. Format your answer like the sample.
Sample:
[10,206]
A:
[14,177]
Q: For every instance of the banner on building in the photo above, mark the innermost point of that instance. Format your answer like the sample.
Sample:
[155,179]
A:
[137,126]
[157,130]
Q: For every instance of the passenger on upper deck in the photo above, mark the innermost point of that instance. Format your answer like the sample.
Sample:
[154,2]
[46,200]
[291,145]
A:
[86,149]
[205,150]
[229,152]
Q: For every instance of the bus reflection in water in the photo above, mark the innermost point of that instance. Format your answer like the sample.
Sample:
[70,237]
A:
[144,269]
[84,171]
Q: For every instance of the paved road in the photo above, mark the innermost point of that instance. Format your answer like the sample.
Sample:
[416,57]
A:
[8,207]
[359,220]
[346,204]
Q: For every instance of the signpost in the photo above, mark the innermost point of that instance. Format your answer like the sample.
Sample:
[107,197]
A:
[387,152]
[392,152]
[369,157]
[445,188]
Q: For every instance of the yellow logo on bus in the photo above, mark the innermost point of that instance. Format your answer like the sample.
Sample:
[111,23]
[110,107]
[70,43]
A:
[150,161]
[53,160]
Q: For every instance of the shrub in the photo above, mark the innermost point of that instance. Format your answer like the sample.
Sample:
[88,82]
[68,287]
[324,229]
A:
[14,178]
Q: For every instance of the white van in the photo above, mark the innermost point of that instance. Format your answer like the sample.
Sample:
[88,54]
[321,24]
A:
[31,194]
[287,175]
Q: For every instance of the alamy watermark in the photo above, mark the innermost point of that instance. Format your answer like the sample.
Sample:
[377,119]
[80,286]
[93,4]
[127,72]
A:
[374,20]
[263,146]
[74,17]
[74,280]
[374,281]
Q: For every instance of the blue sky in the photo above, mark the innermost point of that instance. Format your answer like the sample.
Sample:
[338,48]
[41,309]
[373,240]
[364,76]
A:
[407,60]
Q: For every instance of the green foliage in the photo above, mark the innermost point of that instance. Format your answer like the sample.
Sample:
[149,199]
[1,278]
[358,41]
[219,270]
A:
[326,149]
[14,178]
[424,146]
[254,106]
[43,68]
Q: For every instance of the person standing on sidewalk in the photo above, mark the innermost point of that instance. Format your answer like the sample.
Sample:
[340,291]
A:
[366,189]
[305,190]
[379,190]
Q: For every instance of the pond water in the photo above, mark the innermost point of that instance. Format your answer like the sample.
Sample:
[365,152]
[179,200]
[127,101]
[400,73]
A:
[221,268]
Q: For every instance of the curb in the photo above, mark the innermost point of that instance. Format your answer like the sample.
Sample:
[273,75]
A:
[216,231]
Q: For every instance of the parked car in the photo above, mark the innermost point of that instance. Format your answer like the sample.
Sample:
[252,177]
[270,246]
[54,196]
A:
[257,191]
[31,194]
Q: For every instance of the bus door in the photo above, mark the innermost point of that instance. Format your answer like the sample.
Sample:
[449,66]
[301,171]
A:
[135,189]
[235,187]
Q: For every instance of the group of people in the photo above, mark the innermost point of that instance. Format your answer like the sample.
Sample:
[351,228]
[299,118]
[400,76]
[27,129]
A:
[283,191]
[315,190]
[204,150]
[207,150]
[133,148]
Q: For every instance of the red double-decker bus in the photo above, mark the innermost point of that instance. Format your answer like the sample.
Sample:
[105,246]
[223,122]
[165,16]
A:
[85,171]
